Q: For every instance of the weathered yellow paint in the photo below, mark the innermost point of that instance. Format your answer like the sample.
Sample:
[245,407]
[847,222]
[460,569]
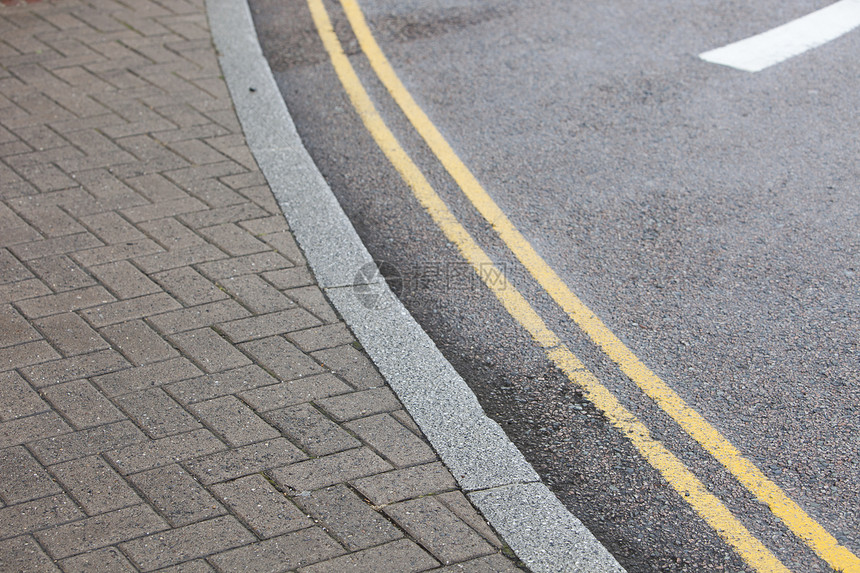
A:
[791,514]
[674,471]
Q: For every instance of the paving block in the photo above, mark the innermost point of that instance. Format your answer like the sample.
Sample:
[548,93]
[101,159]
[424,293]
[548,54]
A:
[124,280]
[439,530]
[106,560]
[24,554]
[352,365]
[390,438]
[277,355]
[81,404]
[232,419]
[156,413]
[294,392]
[74,368]
[282,553]
[189,287]
[38,514]
[312,298]
[198,316]
[17,398]
[177,495]
[61,273]
[211,386]
[348,518]
[100,531]
[402,556]
[256,294]
[329,470]
[95,485]
[239,462]
[87,442]
[267,325]
[151,454]
[311,430]
[496,563]
[123,310]
[360,404]
[321,337]
[22,478]
[148,376]
[186,543]
[295,277]
[209,350]
[406,483]
[233,240]
[34,427]
[138,342]
[264,509]
[70,334]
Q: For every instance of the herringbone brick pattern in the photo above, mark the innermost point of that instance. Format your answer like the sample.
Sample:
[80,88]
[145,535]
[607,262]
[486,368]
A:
[175,393]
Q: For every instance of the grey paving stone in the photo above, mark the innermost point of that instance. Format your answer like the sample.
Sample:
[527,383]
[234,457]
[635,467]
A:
[463,508]
[24,355]
[61,273]
[156,413]
[295,277]
[311,430]
[352,365]
[266,325]
[390,438]
[348,518]
[138,342]
[22,478]
[186,543]
[439,530]
[74,368]
[17,398]
[258,457]
[407,483]
[282,358]
[95,485]
[403,556]
[282,553]
[39,514]
[148,376]
[190,287]
[24,554]
[34,427]
[312,298]
[196,566]
[294,392]
[234,421]
[67,301]
[82,404]
[87,442]
[69,334]
[209,350]
[129,309]
[155,453]
[326,336]
[107,560]
[233,240]
[245,265]
[198,316]
[490,564]
[256,294]
[177,495]
[124,280]
[360,404]
[14,328]
[100,531]
[264,509]
[211,386]
[329,470]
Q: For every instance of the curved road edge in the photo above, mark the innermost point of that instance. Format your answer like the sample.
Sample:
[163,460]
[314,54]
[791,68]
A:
[488,467]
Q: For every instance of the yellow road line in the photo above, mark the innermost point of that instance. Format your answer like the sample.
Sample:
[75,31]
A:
[791,514]
[711,509]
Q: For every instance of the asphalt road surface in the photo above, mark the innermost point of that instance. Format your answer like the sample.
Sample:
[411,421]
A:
[709,216]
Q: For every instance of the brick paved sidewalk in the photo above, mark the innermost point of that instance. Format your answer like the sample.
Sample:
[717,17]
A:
[175,391]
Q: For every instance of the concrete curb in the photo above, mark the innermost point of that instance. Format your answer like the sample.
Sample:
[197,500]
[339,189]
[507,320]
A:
[488,467]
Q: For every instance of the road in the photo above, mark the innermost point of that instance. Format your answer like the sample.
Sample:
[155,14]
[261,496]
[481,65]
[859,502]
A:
[710,217]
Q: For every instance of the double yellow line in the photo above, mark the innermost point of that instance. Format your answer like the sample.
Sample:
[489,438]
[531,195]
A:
[708,506]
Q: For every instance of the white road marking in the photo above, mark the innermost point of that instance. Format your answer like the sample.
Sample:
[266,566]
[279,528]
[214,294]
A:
[774,46]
